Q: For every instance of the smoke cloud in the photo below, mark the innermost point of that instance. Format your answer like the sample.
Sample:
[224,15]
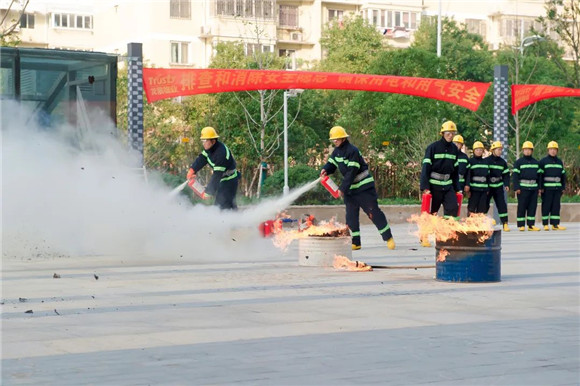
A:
[67,191]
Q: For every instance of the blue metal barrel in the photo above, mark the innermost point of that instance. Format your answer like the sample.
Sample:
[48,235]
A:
[468,260]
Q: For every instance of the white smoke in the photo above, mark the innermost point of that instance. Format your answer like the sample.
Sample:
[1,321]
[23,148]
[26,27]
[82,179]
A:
[58,199]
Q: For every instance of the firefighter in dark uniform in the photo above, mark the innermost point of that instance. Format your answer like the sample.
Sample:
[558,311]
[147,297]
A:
[477,180]
[462,160]
[439,175]
[357,187]
[526,178]
[440,172]
[499,182]
[553,178]
[224,180]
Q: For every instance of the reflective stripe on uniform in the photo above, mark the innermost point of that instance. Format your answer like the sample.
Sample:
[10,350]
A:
[516,170]
[552,184]
[427,161]
[506,171]
[496,167]
[332,161]
[555,217]
[444,155]
[479,166]
[476,185]
[558,166]
[442,183]
[529,185]
[499,184]
[230,177]
[365,181]
[354,234]
[384,229]
[531,218]
[529,166]
[521,219]
[353,164]
[502,214]
[463,160]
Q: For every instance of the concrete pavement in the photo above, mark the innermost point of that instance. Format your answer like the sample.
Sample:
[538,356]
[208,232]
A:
[257,318]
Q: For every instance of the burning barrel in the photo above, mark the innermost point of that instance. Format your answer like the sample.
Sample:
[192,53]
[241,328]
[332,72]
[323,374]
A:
[319,250]
[472,257]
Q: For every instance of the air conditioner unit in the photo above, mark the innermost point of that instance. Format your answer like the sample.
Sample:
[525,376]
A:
[296,36]
[205,30]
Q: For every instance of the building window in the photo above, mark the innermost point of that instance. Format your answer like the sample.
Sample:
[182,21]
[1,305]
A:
[289,57]
[72,21]
[289,16]
[510,28]
[27,20]
[476,26]
[263,9]
[180,52]
[335,14]
[180,9]
[253,48]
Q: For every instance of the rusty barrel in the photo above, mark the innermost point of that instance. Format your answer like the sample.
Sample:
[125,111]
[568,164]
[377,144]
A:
[469,260]
[319,251]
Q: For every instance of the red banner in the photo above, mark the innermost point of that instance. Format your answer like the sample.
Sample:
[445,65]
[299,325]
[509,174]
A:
[524,95]
[162,83]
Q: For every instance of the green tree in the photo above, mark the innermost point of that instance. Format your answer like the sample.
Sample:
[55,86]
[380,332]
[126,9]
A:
[563,17]
[8,33]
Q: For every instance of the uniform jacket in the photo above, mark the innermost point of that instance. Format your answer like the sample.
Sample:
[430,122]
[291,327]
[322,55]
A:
[499,172]
[440,158]
[221,161]
[552,173]
[477,177]
[348,159]
[526,174]
[463,161]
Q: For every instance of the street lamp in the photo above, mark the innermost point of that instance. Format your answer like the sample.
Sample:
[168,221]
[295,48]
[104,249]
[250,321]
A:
[287,94]
[528,41]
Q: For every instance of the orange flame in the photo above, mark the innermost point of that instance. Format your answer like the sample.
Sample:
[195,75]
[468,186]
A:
[343,263]
[442,255]
[282,239]
[443,229]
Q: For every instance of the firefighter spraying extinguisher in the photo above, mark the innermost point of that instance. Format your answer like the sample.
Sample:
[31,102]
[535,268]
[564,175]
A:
[357,187]
[224,180]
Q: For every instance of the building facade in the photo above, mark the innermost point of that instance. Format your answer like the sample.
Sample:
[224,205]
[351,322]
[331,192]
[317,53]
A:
[184,33]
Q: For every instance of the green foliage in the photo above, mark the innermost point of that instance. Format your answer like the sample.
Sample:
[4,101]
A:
[350,45]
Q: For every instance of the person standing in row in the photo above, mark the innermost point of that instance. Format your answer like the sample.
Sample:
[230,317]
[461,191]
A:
[357,187]
[527,183]
[499,183]
[477,180]
[462,161]
[553,182]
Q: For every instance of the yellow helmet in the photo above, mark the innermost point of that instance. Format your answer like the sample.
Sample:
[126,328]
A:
[496,145]
[448,126]
[528,145]
[208,133]
[553,145]
[478,145]
[337,132]
[458,138]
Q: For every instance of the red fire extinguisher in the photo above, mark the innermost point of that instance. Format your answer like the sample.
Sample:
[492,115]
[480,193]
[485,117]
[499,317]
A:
[426,202]
[426,199]
[330,185]
[459,196]
[197,188]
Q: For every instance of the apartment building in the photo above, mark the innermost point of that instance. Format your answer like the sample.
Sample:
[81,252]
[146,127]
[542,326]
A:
[183,33]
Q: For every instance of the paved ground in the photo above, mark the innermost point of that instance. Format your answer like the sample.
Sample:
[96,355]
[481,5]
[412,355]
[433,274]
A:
[258,318]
